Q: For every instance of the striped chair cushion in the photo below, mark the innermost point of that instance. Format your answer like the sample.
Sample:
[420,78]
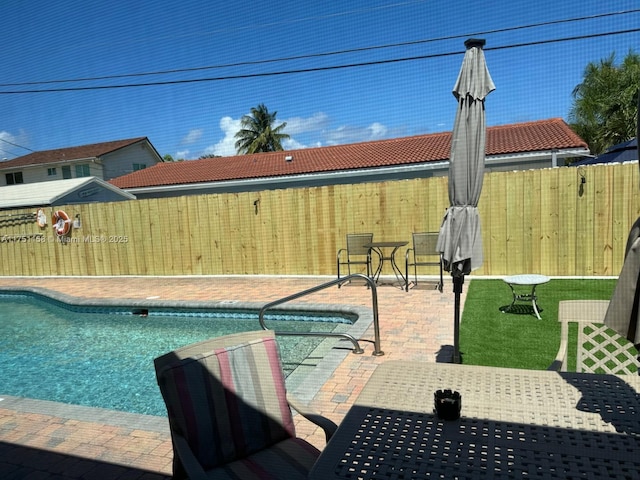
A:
[290,459]
[228,403]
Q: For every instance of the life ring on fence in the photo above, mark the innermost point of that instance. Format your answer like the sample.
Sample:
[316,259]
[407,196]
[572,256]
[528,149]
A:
[41,218]
[61,223]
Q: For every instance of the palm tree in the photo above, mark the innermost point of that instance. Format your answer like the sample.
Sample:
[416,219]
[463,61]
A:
[258,133]
[605,103]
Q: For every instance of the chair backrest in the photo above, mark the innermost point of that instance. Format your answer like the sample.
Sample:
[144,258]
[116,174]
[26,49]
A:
[425,243]
[226,396]
[597,348]
[602,350]
[356,243]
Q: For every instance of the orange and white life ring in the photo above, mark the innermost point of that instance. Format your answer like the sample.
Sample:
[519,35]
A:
[41,218]
[61,223]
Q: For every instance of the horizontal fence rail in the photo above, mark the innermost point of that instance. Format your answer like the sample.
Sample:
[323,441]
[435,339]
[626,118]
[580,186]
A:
[560,221]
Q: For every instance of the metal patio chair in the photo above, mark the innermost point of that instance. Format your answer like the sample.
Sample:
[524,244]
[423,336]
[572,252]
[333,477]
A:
[356,253]
[598,349]
[423,254]
[229,413]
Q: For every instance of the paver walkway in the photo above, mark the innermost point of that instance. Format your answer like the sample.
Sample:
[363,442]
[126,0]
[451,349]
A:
[45,440]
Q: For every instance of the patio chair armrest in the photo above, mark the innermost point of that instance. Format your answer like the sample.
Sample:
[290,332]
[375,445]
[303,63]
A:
[327,425]
[407,255]
[339,252]
[580,311]
[189,461]
[567,310]
[559,363]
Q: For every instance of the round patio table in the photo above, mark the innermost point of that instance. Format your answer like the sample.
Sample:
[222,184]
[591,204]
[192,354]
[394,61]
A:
[517,283]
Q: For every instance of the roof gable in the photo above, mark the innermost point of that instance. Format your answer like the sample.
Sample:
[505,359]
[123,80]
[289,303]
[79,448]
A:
[513,139]
[93,150]
[55,192]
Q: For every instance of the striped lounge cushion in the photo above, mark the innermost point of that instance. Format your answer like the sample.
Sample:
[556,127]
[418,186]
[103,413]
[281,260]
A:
[229,402]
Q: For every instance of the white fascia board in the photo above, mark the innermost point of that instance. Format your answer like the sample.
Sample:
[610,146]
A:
[539,155]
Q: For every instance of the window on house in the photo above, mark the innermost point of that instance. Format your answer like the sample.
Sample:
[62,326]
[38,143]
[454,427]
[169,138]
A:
[83,170]
[14,178]
[66,171]
[52,172]
[139,166]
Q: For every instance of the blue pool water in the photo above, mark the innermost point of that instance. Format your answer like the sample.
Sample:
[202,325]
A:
[106,359]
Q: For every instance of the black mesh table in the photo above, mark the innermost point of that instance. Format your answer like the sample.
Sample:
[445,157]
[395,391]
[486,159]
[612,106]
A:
[379,248]
[514,424]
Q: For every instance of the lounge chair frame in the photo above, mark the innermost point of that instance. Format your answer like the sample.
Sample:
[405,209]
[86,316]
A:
[356,253]
[424,245]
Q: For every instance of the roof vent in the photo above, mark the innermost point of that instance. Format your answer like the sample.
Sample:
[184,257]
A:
[288,158]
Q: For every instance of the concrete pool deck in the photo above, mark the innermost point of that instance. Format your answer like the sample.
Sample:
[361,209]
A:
[47,440]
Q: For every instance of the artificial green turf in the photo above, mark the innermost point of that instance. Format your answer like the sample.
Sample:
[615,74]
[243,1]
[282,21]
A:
[518,340]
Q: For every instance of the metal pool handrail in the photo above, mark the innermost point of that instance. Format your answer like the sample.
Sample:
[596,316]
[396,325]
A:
[356,345]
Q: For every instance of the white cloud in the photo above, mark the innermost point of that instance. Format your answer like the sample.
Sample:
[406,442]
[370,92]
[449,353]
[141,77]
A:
[351,134]
[182,155]
[9,148]
[316,122]
[192,137]
[293,144]
[227,146]
[4,135]
[377,130]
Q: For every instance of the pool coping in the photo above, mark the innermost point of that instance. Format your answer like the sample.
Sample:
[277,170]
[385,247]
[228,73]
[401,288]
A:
[304,391]
[116,418]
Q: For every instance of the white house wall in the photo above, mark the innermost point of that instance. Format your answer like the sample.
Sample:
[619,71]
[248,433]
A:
[108,166]
[40,173]
[121,161]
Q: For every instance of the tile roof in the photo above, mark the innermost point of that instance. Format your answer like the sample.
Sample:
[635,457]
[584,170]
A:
[507,139]
[70,153]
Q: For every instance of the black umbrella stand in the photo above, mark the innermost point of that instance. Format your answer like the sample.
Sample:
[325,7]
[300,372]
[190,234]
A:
[458,281]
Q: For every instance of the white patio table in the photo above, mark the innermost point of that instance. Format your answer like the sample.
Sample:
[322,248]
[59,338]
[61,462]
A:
[530,281]
[513,424]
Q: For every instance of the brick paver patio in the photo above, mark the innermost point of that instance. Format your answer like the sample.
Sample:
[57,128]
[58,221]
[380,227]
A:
[45,440]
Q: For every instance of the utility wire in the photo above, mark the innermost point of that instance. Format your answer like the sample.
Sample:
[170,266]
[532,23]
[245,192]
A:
[8,153]
[15,145]
[318,69]
[327,54]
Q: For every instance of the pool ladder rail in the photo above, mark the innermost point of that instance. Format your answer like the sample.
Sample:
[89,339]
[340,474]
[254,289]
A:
[356,345]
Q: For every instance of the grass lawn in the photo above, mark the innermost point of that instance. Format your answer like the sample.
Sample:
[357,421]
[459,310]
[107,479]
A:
[518,340]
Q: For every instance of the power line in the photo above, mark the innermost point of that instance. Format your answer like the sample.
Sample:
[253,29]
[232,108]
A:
[327,54]
[15,145]
[317,69]
[7,152]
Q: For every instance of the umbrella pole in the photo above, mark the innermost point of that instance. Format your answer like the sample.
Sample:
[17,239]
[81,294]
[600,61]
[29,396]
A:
[458,281]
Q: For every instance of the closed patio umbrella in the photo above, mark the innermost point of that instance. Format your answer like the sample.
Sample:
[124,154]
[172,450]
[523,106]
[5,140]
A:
[460,239]
[623,314]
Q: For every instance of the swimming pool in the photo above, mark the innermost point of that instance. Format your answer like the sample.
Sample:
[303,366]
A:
[103,356]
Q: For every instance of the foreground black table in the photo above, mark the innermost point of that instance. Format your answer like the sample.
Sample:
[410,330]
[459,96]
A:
[514,424]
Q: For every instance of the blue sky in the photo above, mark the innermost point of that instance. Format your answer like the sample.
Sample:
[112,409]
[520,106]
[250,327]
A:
[45,41]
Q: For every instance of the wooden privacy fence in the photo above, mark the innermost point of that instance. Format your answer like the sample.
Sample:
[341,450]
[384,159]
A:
[548,221]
